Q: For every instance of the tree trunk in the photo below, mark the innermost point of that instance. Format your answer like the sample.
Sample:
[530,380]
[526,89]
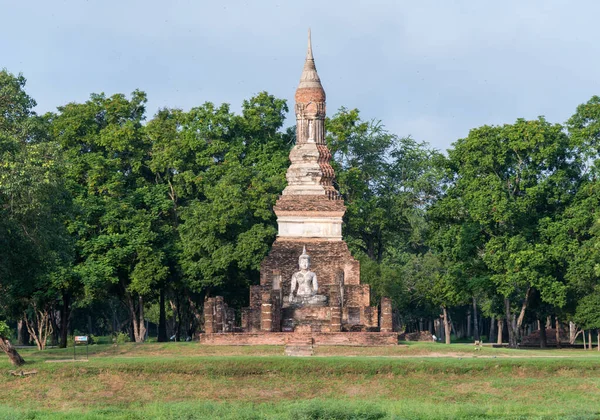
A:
[514,325]
[23,337]
[598,339]
[492,329]
[583,335]
[475,321]
[137,319]
[142,326]
[511,324]
[162,318]
[40,328]
[590,339]
[469,331]
[557,332]
[14,357]
[500,328]
[65,315]
[446,325]
[175,306]
[54,322]
[572,333]
[543,339]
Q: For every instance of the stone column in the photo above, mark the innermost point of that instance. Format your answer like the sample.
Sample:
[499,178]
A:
[335,324]
[266,312]
[219,309]
[276,311]
[209,319]
[246,319]
[386,315]
[336,319]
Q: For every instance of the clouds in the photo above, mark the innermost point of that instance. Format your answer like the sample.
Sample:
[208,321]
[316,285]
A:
[430,69]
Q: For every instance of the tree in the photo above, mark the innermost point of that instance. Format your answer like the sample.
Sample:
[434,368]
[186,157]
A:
[587,315]
[231,184]
[509,181]
[33,206]
[119,208]
[387,183]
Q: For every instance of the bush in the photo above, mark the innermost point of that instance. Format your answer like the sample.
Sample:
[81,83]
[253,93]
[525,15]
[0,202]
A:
[120,338]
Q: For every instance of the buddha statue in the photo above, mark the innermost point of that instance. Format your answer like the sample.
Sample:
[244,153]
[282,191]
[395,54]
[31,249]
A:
[306,283]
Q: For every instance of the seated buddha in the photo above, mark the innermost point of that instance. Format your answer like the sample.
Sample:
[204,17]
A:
[304,285]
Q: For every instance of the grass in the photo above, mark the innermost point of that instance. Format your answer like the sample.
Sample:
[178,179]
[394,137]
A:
[419,380]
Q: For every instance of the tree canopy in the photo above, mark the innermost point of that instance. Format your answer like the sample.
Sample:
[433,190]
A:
[115,221]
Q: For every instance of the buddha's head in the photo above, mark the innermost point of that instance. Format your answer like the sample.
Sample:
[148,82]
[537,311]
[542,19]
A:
[304,260]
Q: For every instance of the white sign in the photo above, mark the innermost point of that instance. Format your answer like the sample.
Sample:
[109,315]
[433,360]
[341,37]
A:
[81,338]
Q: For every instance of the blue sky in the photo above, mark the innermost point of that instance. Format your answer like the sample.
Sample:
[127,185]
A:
[429,69]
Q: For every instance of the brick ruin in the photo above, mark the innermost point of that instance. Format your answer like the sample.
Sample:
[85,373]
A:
[309,216]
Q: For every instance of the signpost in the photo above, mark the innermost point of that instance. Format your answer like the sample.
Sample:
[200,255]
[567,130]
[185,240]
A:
[81,339]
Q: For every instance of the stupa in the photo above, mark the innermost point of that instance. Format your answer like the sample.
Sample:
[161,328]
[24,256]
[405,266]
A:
[309,282]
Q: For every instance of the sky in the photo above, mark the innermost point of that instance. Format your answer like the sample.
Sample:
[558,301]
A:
[429,69]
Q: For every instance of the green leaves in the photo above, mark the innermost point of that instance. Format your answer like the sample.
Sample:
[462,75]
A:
[36,249]
[229,188]
[386,182]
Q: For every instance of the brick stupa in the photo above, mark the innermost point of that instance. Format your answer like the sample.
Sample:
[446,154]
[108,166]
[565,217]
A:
[309,216]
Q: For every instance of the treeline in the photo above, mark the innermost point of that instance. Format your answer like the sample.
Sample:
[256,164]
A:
[110,223]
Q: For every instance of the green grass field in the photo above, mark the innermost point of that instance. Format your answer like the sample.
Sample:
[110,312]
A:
[188,380]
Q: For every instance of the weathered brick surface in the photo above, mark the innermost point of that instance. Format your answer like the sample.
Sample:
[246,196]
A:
[336,319]
[246,323]
[386,324]
[218,317]
[209,320]
[324,339]
[329,259]
[369,316]
[219,309]
[306,95]
[266,319]
[357,295]
[314,205]
[255,296]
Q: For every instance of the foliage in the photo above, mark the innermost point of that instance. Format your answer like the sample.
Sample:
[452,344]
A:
[103,214]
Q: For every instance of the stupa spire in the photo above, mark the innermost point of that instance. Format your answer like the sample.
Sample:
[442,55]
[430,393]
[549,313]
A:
[310,78]
[310,173]
[309,54]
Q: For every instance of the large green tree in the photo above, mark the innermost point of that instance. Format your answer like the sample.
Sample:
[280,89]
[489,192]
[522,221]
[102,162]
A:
[119,209]
[33,207]
[235,177]
[509,182]
[387,183]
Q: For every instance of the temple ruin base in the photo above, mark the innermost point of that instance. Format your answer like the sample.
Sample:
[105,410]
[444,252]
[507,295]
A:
[319,338]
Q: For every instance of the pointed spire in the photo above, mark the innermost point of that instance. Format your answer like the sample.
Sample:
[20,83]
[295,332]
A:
[309,55]
[310,77]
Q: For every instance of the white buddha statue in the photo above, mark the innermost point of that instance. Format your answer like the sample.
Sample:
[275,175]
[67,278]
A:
[304,284]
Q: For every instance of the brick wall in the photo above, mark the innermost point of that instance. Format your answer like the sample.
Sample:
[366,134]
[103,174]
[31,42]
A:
[328,259]
[323,338]
[218,317]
